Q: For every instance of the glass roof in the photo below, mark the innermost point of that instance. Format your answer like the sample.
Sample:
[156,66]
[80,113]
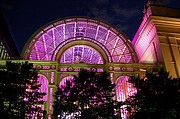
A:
[45,44]
[81,54]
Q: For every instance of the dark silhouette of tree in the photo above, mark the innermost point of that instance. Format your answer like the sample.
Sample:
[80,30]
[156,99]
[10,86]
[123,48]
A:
[88,96]
[19,96]
[158,97]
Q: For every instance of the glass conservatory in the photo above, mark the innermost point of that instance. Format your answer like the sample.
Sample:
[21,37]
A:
[61,48]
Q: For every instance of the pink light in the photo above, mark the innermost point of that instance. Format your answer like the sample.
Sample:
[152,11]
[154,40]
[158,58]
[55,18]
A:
[143,43]
[51,99]
[100,69]
[63,81]
[46,67]
[59,33]
[52,77]
[44,86]
[112,78]
[124,89]
[124,112]
[49,116]
[81,54]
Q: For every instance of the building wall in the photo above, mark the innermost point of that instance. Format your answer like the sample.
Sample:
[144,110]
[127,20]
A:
[169,43]
[3,52]
[8,49]
[158,38]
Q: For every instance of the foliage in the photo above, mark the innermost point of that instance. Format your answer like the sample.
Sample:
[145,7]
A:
[158,97]
[19,94]
[88,95]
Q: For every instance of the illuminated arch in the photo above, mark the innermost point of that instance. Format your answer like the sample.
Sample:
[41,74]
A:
[103,52]
[81,54]
[63,81]
[124,89]
[44,86]
[47,41]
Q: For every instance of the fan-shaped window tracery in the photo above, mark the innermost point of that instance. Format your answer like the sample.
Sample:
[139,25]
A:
[81,54]
[43,44]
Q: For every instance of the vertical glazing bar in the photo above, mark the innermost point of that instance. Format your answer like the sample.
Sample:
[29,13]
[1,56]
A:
[64,31]
[53,37]
[52,77]
[45,47]
[50,99]
[75,29]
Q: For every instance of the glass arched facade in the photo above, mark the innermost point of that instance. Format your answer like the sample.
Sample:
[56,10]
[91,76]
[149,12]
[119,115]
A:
[81,54]
[46,43]
[60,48]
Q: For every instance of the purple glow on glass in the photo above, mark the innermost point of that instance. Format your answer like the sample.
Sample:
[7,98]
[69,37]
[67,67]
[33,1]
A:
[63,81]
[124,89]
[55,34]
[51,99]
[52,77]
[81,38]
[44,86]
[81,54]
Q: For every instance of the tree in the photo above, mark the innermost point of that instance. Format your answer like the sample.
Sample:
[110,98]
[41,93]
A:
[88,95]
[158,97]
[19,96]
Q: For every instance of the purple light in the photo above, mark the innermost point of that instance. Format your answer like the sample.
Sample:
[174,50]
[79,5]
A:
[49,116]
[124,89]
[59,33]
[63,81]
[52,77]
[44,86]
[81,54]
[51,99]
[144,43]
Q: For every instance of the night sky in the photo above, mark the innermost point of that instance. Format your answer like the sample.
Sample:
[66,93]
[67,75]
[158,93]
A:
[26,16]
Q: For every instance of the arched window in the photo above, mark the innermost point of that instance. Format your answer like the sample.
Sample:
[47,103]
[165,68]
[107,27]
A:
[63,81]
[47,42]
[124,89]
[81,54]
[44,86]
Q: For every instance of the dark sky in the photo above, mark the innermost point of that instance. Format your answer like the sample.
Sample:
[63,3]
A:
[27,16]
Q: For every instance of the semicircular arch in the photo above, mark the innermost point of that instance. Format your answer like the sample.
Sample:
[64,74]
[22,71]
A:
[44,85]
[63,80]
[43,42]
[124,89]
[103,54]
